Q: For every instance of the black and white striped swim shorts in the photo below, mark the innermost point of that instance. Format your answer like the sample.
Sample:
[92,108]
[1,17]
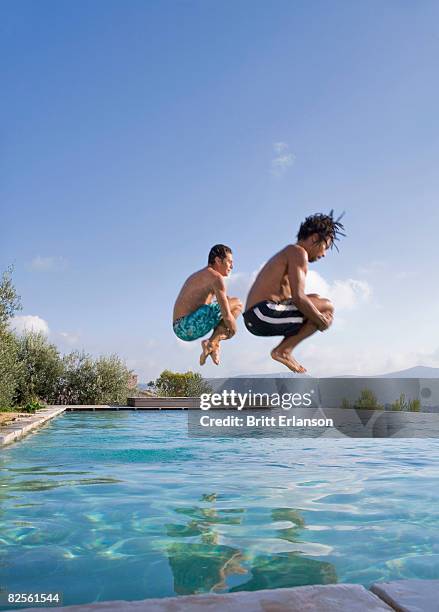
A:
[270,318]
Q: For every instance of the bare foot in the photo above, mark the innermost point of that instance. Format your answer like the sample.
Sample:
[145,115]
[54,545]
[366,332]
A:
[288,360]
[215,354]
[207,349]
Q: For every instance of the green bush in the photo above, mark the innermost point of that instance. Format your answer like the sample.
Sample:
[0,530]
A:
[368,400]
[406,405]
[78,383]
[41,369]
[32,406]
[414,405]
[9,300]
[176,384]
[10,368]
[113,380]
[85,380]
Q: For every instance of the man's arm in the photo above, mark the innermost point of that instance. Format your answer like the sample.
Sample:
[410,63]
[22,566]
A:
[219,288]
[297,262]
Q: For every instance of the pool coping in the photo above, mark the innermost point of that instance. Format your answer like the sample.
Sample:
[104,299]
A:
[24,425]
[399,595]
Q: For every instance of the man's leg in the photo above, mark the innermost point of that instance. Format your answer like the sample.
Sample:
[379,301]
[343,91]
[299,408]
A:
[283,352]
[221,332]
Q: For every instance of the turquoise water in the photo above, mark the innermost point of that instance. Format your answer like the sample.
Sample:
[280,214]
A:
[124,505]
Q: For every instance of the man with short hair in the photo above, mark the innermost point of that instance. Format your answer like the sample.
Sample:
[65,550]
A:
[277,304]
[196,312]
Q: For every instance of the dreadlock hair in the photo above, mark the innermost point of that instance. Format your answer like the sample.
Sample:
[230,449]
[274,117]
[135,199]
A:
[323,225]
[219,250]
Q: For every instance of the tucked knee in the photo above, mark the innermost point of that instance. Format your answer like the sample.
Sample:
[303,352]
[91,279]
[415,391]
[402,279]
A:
[329,306]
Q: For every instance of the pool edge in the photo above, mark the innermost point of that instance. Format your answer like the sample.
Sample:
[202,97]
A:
[26,424]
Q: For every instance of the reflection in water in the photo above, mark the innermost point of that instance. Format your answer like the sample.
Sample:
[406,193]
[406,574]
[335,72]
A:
[201,567]
[211,566]
[287,570]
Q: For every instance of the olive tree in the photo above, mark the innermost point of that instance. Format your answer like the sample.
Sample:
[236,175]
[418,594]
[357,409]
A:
[10,367]
[176,384]
[40,369]
[85,380]
[9,300]
[78,383]
[113,380]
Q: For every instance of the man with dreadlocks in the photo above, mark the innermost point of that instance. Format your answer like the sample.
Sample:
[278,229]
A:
[277,304]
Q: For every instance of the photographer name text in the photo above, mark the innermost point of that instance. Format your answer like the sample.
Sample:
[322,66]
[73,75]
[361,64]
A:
[264,421]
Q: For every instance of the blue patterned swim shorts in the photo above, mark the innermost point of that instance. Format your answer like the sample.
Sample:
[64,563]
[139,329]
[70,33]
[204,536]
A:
[198,323]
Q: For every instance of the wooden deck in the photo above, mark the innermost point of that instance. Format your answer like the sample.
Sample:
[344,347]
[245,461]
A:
[164,403]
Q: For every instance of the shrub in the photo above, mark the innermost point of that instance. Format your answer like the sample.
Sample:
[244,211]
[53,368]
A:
[113,380]
[414,405]
[9,300]
[9,365]
[41,368]
[85,380]
[10,368]
[32,406]
[403,404]
[78,383]
[368,400]
[176,384]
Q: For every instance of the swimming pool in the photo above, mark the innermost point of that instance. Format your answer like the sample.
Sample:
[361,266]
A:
[124,505]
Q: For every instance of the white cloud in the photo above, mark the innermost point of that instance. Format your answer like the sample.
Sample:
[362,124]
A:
[68,338]
[239,283]
[282,159]
[30,323]
[346,294]
[40,263]
[316,284]
[349,293]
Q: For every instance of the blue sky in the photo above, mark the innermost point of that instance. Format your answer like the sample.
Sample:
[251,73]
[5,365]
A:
[135,135]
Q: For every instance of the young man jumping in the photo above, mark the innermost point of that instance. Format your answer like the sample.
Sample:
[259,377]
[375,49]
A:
[196,312]
[277,304]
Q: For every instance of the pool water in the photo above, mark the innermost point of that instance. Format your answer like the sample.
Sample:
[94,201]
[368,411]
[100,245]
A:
[124,505]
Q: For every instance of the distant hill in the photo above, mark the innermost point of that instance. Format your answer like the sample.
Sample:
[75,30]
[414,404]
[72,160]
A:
[415,372]
[276,375]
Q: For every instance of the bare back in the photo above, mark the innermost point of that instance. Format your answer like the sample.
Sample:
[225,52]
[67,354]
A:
[272,281]
[197,290]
